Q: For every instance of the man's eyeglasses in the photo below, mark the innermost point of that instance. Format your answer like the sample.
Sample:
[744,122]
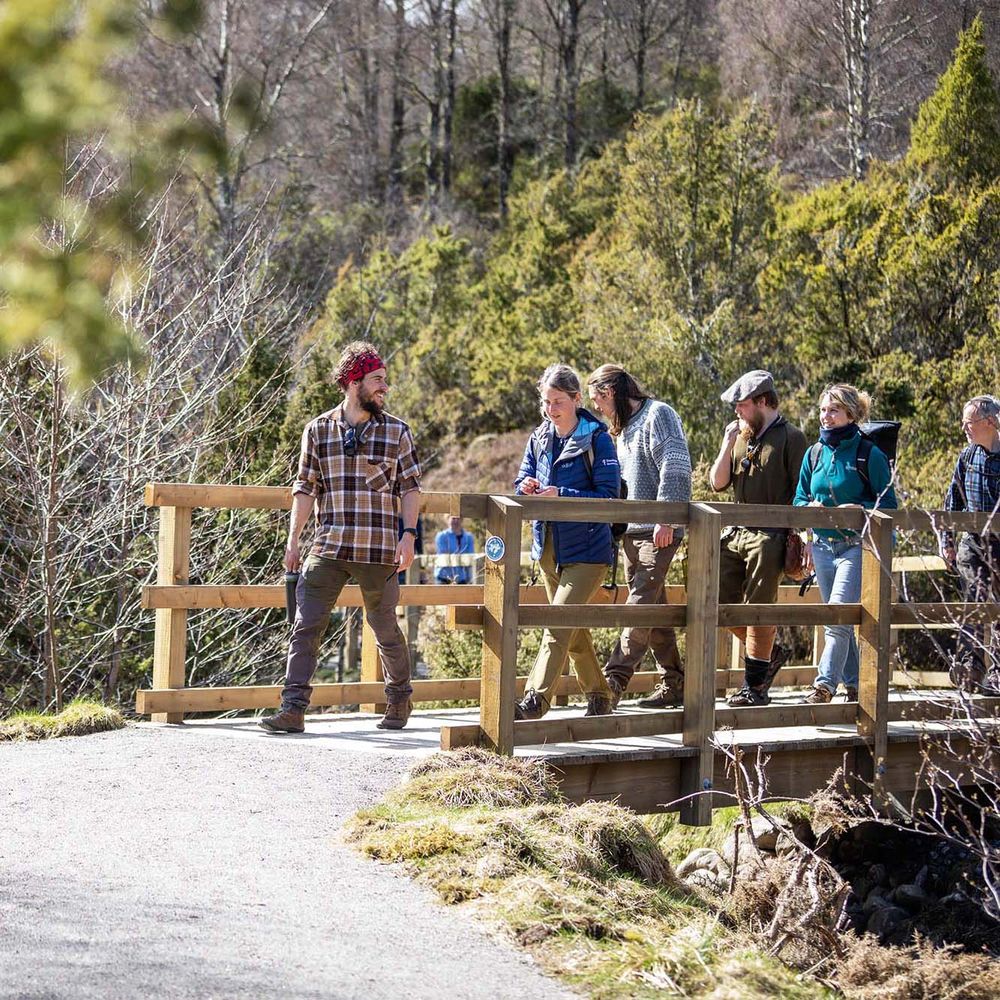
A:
[750,456]
[350,442]
[970,423]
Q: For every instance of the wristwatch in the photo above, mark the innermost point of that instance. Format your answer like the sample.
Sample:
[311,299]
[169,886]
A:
[410,531]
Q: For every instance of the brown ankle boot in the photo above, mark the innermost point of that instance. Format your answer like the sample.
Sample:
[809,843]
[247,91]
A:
[288,720]
[598,704]
[397,714]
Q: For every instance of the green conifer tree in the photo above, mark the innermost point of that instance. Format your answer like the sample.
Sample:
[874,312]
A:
[957,132]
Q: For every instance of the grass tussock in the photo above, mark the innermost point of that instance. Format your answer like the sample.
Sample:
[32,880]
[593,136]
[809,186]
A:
[79,718]
[587,889]
[920,972]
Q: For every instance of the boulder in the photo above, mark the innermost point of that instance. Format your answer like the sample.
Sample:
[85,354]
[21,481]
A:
[890,923]
[702,858]
[702,878]
[766,831]
[910,896]
[875,901]
[877,875]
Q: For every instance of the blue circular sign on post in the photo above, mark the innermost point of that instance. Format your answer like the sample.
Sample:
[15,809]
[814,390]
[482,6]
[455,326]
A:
[495,548]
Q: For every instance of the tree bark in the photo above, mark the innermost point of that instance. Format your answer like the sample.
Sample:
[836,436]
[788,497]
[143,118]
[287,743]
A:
[449,103]
[398,121]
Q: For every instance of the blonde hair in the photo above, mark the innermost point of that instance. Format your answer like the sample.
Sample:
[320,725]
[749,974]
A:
[856,402]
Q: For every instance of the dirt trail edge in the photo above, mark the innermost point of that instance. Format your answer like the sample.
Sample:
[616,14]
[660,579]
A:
[182,862]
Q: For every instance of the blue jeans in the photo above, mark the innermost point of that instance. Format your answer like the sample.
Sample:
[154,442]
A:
[838,573]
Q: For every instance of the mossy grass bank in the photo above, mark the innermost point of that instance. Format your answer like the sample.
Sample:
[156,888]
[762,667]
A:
[587,889]
[79,718]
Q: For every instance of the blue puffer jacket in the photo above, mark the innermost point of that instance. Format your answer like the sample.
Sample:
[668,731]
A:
[574,541]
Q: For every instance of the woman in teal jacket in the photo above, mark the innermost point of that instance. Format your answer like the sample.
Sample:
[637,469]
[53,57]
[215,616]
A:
[831,478]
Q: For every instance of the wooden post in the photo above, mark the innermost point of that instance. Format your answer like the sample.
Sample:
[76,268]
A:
[500,611]
[875,653]
[412,616]
[170,634]
[724,657]
[371,664]
[819,643]
[705,528]
[351,650]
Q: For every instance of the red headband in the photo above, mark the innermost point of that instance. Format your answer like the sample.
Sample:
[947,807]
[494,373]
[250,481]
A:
[363,364]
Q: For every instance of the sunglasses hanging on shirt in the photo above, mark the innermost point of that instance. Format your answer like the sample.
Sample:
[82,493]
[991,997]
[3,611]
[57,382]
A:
[350,442]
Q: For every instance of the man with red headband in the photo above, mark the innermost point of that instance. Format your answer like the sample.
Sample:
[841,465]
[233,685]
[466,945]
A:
[358,465]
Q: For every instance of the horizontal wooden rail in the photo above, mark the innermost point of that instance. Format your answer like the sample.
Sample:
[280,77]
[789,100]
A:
[602,511]
[945,613]
[410,595]
[225,496]
[732,615]
[601,616]
[925,520]
[671,721]
[231,699]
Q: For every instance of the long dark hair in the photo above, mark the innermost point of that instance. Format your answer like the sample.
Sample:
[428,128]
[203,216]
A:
[623,388]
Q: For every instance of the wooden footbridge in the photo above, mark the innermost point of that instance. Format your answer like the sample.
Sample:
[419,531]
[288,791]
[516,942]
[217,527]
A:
[649,760]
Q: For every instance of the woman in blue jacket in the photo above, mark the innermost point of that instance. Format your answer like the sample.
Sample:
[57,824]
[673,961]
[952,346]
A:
[570,454]
[831,476]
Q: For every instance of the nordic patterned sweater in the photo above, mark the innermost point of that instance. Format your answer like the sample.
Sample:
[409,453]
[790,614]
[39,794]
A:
[654,457]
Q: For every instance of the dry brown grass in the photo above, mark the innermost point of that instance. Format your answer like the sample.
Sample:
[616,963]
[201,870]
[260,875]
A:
[920,972]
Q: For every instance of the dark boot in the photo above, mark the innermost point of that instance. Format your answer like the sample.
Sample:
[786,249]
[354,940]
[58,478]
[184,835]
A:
[397,714]
[749,696]
[780,655]
[852,693]
[598,704]
[754,690]
[617,690]
[288,720]
[531,706]
[664,695]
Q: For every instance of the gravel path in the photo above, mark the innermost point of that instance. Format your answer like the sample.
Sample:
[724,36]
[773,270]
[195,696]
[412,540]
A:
[183,862]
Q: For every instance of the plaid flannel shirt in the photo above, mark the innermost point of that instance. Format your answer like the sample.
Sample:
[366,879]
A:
[975,486]
[357,499]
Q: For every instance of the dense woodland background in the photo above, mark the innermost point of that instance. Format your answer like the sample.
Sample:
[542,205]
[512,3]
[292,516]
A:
[688,187]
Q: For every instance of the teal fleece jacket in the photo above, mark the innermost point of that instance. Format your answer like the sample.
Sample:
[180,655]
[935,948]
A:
[836,481]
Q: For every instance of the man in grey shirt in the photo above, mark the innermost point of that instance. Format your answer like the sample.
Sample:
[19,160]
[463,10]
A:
[656,465]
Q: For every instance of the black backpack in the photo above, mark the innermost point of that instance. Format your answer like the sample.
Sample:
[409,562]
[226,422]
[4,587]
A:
[617,530]
[881,434]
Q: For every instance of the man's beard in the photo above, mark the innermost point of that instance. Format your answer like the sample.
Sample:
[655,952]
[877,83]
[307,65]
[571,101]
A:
[751,428]
[370,404]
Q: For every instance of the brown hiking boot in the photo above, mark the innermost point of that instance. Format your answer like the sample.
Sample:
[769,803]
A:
[851,693]
[819,696]
[288,720]
[664,695]
[532,706]
[397,714]
[598,704]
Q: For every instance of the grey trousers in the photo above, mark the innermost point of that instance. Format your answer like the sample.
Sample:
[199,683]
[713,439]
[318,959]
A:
[646,575]
[320,584]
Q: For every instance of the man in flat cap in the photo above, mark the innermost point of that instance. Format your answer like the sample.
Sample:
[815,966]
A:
[760,456]
[358,467]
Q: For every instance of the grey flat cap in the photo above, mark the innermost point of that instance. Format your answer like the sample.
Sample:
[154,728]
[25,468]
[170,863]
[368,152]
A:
[748,385]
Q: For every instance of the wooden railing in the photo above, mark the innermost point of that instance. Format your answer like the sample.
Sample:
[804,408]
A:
[502,606]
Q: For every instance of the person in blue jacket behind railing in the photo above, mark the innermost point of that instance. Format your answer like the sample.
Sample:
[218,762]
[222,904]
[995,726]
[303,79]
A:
[570,454]
[455,551]
[830,477]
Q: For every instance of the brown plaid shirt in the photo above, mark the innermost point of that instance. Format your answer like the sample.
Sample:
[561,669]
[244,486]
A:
[357,504]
